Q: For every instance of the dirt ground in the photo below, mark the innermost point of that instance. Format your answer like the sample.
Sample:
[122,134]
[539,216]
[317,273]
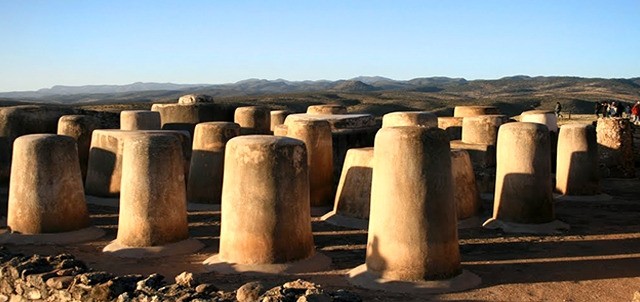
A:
[598,259]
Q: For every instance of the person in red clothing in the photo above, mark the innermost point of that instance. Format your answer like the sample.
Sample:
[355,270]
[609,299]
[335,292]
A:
[635,112]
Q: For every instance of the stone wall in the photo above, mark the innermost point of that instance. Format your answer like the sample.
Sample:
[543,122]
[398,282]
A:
[64,278]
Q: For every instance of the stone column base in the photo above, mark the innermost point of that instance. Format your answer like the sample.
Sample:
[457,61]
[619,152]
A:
[186,246]
[554,227]
[315,263]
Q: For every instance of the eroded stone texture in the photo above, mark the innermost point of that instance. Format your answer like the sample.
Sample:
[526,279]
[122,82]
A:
[482,129]
[207,161]
[253,120]
[153,206]
[185,116]
[465,190]
[523,176]
[80,127]
[265,197]
[453,126]
[615,147]
[415,237]
[410,118]
[354,189]
[45,190]
[577,169]
[139,120]
[544,117]
[466,111]
[278,117]
[327,109]
[191,99]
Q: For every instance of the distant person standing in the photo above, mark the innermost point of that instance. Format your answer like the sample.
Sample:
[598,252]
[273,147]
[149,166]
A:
[599,109]
[558,110]
[635,112]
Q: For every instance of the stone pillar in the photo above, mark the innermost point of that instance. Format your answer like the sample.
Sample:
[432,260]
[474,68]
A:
[544,117]
[253,120]
[577,169]
[207,161]
[415,237]
[466,111]
[410,118]
[615,147]
[481,129]
[139,120]
[523,175]
[316,135]
[465,191]
[45,190]
[327,109]
[453,126]
[278,117]
[265,197]
[153,206]
[80,127]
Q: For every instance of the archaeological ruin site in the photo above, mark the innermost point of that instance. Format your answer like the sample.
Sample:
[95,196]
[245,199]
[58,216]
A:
[197,200]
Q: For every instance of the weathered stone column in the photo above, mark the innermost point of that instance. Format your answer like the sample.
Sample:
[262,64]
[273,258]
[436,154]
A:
[253,120]
[465,190]
[577,170]
[80,127]
[207,161]
[351,205]
[153,206]
[45,190]
[453,126]
[410,118]
[615,147]
[466,111]
[545,117]
[266,216]
[316,135]
[139,120]
[523,194]
[482,129]
[413,236]
[278,117]
[327,109]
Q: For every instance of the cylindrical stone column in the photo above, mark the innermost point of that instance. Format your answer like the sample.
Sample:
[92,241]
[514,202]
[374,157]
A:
[465,190]
[316,135]
[413,231]
[278,117]
[523,175]
[577,169]
[207,161]
[45,190]
[453,126]
[615,147]
[354,189]
[545,117]
[465,111]
[80,127]
[482,129]
[410,118]
[327,109]
[139,120]
[265,197]
[253,119]
[153,206]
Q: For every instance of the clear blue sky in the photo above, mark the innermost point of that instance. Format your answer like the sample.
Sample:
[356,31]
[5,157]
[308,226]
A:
[45,43]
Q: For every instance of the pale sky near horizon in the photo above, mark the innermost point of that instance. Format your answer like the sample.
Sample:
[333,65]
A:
[83,42]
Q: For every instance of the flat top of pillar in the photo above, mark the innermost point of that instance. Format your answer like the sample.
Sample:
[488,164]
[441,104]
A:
[217,125]
[137,111]
[531,112]
[251,108]
[361,150]
[450,117]
[500,117]
[476,107]
[279,111]
[426,113]
[74,117]
[339,121]
[264,140]
[305,121]
[125,133]
[43,137]
[524,126]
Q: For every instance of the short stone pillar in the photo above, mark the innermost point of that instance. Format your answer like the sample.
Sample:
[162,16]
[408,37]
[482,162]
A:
[351,204]
[482,129]
[466,111]
[453,126]
[412,168]
[253,120]
[577,169]
[80,127]
[465,190]
[265,196]
[278,117]
[410,118]
[153,206]
[316,135]
[523,199]
[615,147]
[545,117]
[327,109]
[207,161]
[139,120]
[45,190]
